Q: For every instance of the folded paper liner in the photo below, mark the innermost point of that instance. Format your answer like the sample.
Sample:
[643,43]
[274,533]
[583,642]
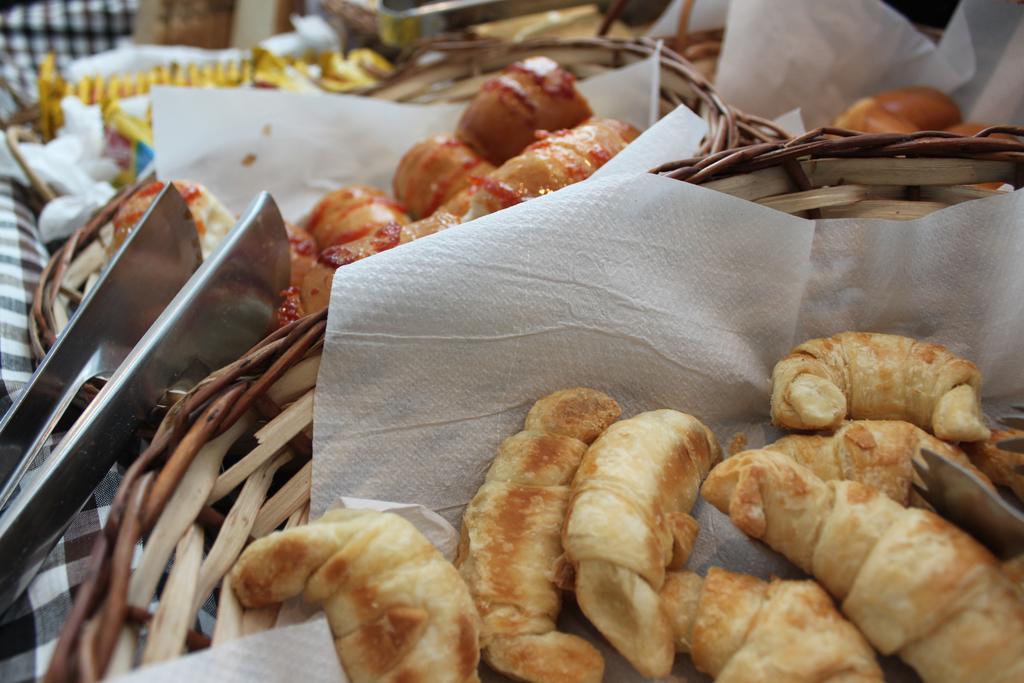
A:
[660,293]
[299,146]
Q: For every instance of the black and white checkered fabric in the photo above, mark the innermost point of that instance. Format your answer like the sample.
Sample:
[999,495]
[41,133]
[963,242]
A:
[68,28]
[22,258]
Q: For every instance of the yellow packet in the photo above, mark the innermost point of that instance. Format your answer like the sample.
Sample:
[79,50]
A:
[129,142]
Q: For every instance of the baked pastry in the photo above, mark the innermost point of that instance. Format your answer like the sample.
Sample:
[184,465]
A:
[398,610]
[511,539]
[213,221]
[557,160]
[878,453]
[433,171]
[878,377]
[914,584]
[998,465]
[737,627]
[628,521]
[350,213]
[315,292]
[303,249]
[531,95]
[903,110]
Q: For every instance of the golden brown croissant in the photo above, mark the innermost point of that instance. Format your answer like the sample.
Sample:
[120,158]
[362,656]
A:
[531,95]
[1000,466]
[398,610]
[737,627]
[878,377]
[511,539]
[874,452]
[628,521]
[433,171]
[913,583]
[559,159]
[351,213]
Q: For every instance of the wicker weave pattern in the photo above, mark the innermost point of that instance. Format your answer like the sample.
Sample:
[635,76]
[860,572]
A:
[835,173]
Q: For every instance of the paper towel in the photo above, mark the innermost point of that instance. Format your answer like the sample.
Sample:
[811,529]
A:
[662,294]
[303,652]
[824,55]
[301,146]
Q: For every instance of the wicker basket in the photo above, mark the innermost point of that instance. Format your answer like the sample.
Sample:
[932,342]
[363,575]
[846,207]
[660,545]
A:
[454,77]
[835,173]
[166,495]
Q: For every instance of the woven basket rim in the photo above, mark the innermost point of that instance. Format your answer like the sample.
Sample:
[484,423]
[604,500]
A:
[828,142]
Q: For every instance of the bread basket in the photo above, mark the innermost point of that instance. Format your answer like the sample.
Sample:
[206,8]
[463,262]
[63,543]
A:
[456,76]
[179,498]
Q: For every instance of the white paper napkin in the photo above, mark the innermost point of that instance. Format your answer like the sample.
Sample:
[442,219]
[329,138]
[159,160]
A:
[302,652]
[298,146]
[823,55]
[662,294]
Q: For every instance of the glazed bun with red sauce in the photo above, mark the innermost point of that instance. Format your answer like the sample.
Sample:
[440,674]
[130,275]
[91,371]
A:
[303,250]
[531,95]
[904,110]
[434,171]
[351,213]
[557,160]
[213,221]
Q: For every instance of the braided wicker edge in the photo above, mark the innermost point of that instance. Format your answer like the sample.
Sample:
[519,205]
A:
[841,143]
[91,631]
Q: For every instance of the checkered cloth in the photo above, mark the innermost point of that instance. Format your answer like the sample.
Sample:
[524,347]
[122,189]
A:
[68,28]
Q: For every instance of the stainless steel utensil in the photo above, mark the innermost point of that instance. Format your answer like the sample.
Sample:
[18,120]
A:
[222,310]
[157,258]
[960,496]
[400,22]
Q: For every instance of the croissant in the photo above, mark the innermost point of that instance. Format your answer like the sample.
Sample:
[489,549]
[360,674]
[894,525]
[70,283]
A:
[1000,466]
[511,538]
[903,110]
[351,213]
[878,377]
[628,521]
[531,95]
[737,627]
[398,610]
[913,583]
[557,160]
[434,171]
[874,452]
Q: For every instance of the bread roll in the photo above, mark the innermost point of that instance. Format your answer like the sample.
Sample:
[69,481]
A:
[878,377]
[398,610]
[212,220]
[511,539]
[905,110]
[351,213]
[914,584]
[434,171]
[558,160]
[302,249]
[531,95]
[628,521]
[737,627]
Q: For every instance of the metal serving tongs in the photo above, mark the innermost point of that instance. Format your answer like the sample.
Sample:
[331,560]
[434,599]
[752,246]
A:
[961,497]
[125,326]
[401,22]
